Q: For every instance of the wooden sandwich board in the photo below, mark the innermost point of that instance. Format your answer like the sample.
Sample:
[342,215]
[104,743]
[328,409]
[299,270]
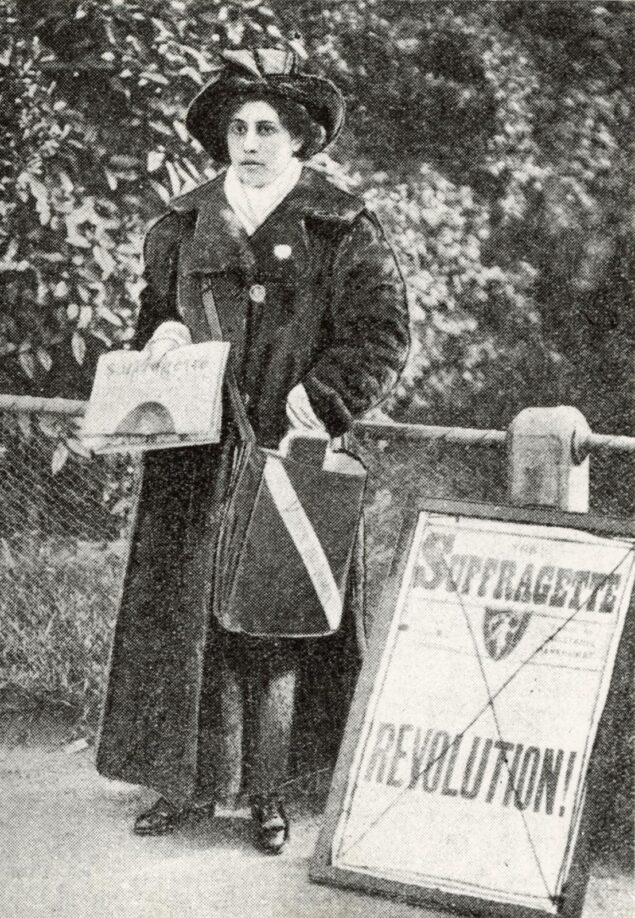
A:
[466,776]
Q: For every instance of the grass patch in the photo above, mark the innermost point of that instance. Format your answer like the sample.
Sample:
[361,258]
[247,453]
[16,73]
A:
[58,604]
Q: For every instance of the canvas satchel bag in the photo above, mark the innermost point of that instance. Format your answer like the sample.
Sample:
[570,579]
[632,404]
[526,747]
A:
[287,532]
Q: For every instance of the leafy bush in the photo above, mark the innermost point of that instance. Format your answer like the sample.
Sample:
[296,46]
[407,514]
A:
[475,322]
[492,141]
[92,145]
[498,149]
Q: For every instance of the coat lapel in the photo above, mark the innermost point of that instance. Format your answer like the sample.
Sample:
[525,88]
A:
[220,245]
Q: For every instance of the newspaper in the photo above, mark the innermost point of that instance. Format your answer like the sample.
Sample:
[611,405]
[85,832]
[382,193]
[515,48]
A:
[135,406]
[469,771]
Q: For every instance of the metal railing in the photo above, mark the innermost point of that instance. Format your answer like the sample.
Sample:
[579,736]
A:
[384,429]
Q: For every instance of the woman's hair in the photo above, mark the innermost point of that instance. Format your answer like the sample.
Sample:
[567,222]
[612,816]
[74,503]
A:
[293,116]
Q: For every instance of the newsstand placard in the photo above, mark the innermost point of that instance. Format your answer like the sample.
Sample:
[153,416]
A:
[466,772]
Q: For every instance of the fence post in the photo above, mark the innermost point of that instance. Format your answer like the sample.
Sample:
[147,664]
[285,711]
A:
[545,464]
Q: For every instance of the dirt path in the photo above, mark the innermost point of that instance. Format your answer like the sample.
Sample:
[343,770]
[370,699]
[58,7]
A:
[66,851]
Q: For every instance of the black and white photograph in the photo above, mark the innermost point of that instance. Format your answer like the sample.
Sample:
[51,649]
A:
[317,439]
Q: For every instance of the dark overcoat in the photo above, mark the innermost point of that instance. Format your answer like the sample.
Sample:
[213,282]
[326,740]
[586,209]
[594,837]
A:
[334,317]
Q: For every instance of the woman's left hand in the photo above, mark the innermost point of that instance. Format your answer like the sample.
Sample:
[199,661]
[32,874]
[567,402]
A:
[300,412]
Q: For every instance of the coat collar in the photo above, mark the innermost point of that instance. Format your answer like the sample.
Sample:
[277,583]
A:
[220,244]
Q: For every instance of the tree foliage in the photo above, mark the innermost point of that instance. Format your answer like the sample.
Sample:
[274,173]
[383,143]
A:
[492,138]
[502,136]
[94,145]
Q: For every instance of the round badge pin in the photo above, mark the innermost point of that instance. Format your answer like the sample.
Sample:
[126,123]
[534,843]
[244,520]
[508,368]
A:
[282,251]
[257,293]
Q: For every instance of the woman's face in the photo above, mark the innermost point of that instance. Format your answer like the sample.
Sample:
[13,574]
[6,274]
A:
[260,147]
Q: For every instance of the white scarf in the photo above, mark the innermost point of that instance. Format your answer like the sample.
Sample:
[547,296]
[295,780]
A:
[251,205]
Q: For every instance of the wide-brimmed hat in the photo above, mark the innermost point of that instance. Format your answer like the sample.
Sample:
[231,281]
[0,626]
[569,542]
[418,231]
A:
[271,72]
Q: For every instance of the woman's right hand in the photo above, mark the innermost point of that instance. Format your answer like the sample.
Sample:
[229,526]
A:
[156,349]
[166,338]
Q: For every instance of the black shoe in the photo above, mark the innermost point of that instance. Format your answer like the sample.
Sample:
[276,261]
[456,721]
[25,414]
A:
[272,825]
[163,817]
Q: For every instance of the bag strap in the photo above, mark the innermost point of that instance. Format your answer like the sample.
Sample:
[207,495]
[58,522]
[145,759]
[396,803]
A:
[238,406]
[189,294]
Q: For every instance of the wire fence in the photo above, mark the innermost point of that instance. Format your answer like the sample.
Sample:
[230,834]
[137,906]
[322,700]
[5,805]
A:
[64,521]
[64,518]
[64,526]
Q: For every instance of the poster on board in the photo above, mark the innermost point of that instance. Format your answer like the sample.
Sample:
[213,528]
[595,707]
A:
[466,771]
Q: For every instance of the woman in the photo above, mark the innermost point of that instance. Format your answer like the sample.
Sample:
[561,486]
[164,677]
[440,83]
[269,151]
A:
[309,295]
